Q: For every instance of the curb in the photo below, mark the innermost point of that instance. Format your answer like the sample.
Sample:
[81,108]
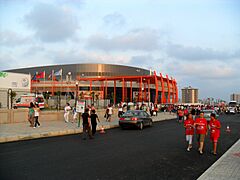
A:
[57,133]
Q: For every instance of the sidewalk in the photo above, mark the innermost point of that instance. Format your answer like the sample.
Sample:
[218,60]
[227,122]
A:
[226,167]
[22,131]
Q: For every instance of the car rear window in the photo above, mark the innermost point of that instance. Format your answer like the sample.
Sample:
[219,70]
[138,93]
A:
[131,113]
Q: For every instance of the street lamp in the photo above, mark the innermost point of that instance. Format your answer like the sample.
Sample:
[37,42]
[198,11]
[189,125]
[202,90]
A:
[76,97]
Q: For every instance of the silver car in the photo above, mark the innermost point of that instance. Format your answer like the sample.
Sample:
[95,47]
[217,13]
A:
[208,112]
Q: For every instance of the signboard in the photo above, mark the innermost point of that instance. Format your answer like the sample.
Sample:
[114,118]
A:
[15,80]
[80,107]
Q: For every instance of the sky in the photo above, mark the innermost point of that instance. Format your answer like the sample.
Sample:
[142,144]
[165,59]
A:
[197,42]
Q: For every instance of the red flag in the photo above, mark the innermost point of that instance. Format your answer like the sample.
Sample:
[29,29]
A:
[40,75]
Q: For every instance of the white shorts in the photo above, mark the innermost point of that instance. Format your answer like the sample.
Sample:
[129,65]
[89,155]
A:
[189,138]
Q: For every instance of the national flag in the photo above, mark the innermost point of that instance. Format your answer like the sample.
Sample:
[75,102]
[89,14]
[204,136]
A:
[58,73]
[40,75]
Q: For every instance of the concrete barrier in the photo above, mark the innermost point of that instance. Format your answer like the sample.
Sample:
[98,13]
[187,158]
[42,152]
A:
[9,116]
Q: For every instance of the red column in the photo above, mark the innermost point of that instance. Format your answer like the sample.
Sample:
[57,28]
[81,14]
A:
[123,96]
[163,90]
[156,86]
[102,89]
[140,92]
[145,92]
[131,91]
[114,98]
[90,85]
[106,87]
[168,84]
[149,98]
[173,91]
[176,88]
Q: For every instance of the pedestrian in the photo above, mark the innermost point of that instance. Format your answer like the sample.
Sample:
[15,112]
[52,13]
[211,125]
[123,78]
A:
[36,115]
[109,113]
[185,113]
[180,115]
[156,109]
[214,126]
[31,114]
[67,110]
[74,119]
[201,131]
[94,119]
[86,125]
[189,130]
[120,110]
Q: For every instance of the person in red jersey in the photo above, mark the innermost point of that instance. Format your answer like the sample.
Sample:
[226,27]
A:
[201,131]
[189,130]
[214,126]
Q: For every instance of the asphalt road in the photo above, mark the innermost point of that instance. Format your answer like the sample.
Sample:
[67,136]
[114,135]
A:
[158,152]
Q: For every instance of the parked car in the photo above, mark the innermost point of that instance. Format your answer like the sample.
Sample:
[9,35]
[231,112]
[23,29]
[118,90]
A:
[135,118]
[208,112]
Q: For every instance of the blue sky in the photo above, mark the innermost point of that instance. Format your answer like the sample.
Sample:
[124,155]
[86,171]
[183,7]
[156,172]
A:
[197,42]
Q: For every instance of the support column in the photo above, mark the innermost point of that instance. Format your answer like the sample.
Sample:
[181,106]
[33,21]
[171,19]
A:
[123,95]
[145,92]
[156,86]
[149,98]
[140,92]
[114,93]
[131,91]
[163,90]
[106,88]
[90,86]
[173,91]
[168,84]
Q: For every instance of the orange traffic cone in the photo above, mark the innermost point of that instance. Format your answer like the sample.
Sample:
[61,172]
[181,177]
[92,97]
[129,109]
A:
[102,130]
[228,129]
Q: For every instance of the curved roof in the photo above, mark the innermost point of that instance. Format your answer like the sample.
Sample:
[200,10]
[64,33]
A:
[88,70]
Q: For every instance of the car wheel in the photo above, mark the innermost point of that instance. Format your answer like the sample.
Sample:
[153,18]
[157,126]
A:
[150,123]
[141,126]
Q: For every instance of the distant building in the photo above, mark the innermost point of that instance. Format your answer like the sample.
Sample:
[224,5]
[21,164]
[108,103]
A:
[235,97]
[189,95]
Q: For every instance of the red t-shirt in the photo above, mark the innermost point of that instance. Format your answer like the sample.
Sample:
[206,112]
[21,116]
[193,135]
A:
[201,127]
[189,129]
[185,112]
[215,132]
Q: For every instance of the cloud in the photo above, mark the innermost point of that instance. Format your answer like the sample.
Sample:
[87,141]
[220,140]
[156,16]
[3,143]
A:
[34,50]
[76,56]
[12,39]
[138,39]
[7,61]
[51,23]
[114,20]
[182,52]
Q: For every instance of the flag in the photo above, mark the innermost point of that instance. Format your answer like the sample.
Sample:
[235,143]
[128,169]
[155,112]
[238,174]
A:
[34,78]
[40,75]
[58,73]
[50,76]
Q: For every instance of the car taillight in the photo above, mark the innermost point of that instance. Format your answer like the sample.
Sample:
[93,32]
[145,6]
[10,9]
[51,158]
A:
[121,119]
[134,119]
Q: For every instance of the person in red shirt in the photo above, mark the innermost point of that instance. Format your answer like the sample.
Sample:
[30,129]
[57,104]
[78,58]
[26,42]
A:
[180,115]
[214,126]
[189,130]
[201,131]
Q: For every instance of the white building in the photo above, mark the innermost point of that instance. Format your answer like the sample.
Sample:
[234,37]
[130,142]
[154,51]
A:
[19,83]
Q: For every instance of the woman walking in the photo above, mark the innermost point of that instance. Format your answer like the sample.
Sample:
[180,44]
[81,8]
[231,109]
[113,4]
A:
[189,130]
[31,114]
[67,110]
[36,115]
[214,126]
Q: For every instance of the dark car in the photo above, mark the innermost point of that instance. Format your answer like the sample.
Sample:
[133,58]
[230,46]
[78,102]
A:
[135,118]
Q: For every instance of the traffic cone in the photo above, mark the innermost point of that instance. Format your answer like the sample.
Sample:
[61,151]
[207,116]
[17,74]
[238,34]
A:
[102,130]
[228,129]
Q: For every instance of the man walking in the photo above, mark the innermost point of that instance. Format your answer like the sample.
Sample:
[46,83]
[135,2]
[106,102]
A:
[86,125]
[201,131]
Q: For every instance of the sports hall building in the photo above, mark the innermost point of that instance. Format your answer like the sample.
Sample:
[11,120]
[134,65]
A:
[117,83]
